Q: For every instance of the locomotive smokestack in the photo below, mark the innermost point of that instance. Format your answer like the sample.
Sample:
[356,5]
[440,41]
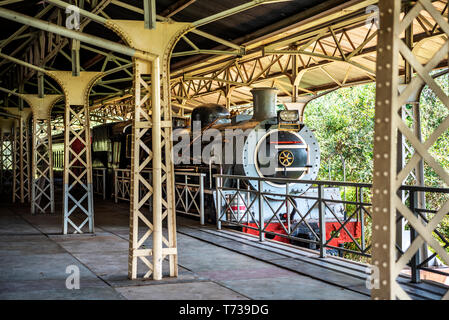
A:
[264,101]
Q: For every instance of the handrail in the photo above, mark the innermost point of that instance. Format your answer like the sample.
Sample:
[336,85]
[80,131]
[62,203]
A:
[334,183]
[236,201]
[193,174]
[293,181]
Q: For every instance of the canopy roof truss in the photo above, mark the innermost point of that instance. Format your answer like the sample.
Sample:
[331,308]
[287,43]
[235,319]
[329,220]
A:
[302,56]
[331,55]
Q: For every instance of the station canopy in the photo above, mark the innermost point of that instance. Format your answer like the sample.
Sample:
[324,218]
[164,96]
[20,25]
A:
[303,48]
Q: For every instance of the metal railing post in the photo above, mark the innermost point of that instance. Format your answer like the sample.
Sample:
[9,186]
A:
[201,200]
[322,222]
[287,208]
[261,220]
[238,200]
[362,220]
[104,183]
[218,211]
[115,185]
[248,201]
[186,195]
[415,274]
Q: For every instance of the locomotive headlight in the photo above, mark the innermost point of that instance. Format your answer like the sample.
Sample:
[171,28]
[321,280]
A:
[289,115]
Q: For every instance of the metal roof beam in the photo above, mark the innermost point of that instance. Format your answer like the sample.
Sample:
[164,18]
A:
[8,115]
[6,2]
[134,9]
[22,63]
[233,11]
[83,37]
[23,28]
[98,7]
[83,12]
[218,40]
[176,7]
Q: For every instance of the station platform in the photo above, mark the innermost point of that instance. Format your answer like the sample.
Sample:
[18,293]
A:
[213,264]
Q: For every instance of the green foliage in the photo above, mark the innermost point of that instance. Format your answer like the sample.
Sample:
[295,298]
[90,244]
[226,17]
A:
[343,122]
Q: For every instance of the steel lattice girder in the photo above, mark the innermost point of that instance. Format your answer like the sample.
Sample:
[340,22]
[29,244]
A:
[164,37]
[388,122]
[345,44]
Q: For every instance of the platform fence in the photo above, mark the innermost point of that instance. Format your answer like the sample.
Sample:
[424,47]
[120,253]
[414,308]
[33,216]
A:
[122,184]
[190,194]
[189,197]
[320,225]
[99,181]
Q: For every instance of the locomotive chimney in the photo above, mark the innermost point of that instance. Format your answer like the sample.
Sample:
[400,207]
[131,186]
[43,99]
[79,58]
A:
[264,101]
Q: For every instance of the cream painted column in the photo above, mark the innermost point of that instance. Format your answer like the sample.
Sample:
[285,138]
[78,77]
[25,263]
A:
[387,180]
[21,159]
[78,193]
[42,182]
[160,42]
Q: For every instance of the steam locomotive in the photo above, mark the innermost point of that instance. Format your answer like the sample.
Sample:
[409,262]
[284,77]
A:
[267,144]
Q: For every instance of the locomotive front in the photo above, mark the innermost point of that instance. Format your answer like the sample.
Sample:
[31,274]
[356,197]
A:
[279,146]
[268,144]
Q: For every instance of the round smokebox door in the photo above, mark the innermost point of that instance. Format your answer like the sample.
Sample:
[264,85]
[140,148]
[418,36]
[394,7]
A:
[281,154]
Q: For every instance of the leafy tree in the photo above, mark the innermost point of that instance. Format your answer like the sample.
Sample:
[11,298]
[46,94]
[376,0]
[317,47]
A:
[343,122]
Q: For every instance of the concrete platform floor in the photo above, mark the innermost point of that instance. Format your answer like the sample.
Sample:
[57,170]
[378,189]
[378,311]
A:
[34,256]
